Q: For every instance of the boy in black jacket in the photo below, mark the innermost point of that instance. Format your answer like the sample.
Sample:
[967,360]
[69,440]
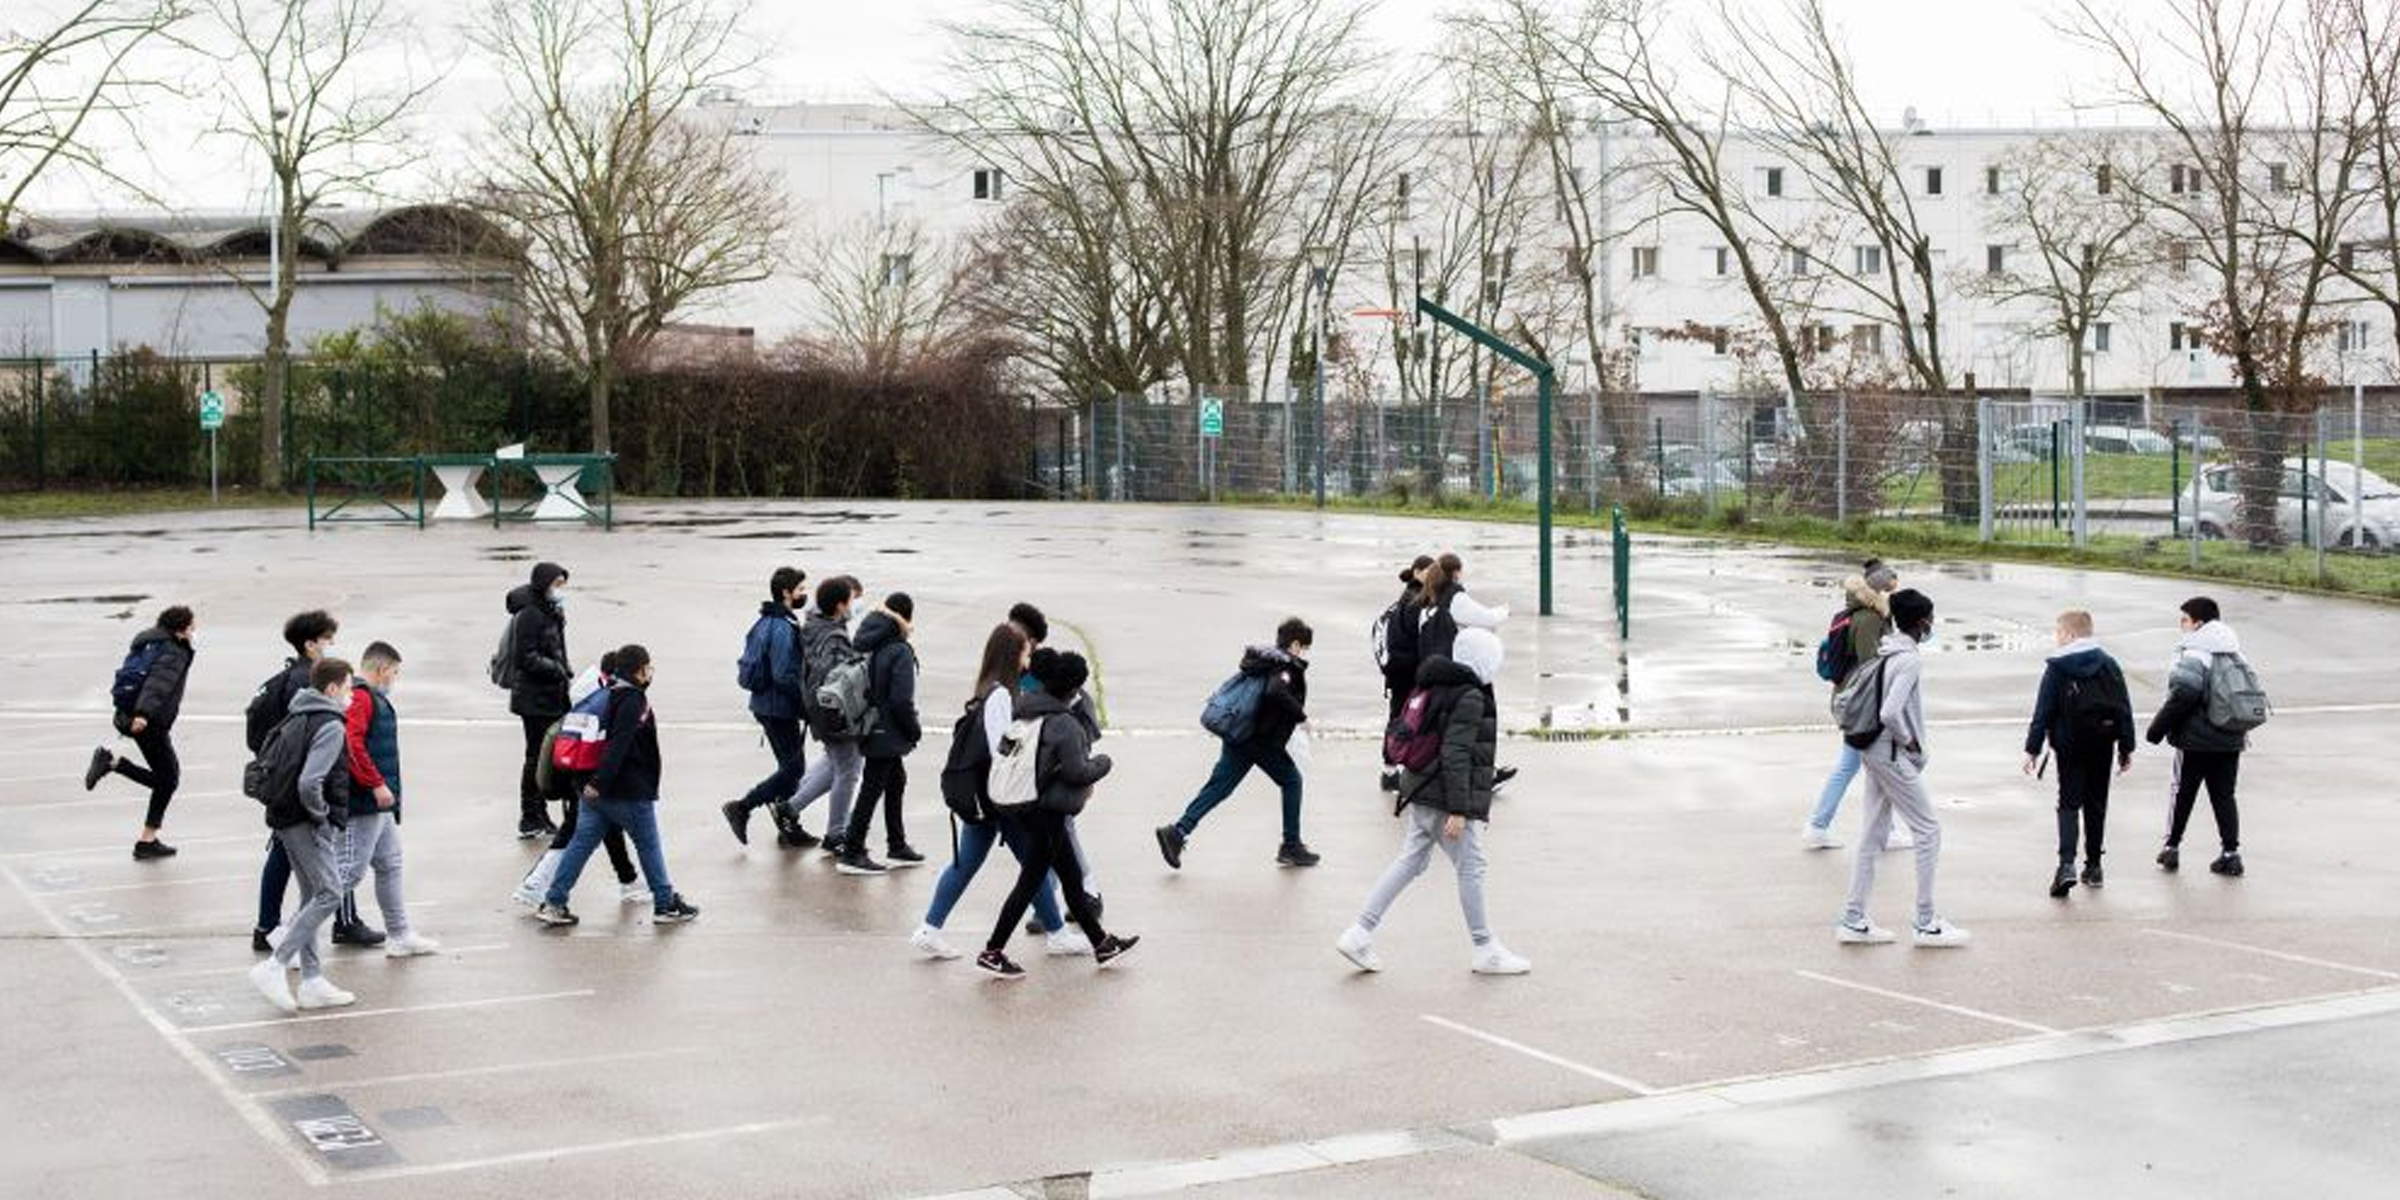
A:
[1282,709]
[622,794]
[2086,716]
[892,690]
[148,717]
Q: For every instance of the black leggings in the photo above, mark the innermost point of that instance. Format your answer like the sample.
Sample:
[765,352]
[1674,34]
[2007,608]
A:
[163,773]
[614,839]
[529,789]
[2083,793]
[884,779]
[1041,836]
[2217,770]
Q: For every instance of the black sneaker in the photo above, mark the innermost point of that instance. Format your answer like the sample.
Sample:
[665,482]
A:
[145,851]
[858,862]
[903,855]
[1170,845]
[1503,775]
[795,838]
[259,943]
[102,764]
[2227,864]
[361,934]
[1112,948]
[992,962]
[834,847]
[2063,882]
[1033,927]
[1297,854]
[675,911]
[555,915]
[1391,780]
[529,828]
[737,814]
[2170,859]
[2091,875]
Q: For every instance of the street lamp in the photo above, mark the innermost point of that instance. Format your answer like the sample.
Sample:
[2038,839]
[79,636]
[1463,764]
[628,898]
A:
[1320,266]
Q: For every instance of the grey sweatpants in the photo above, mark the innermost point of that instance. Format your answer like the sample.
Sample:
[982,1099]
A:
[1421,831]
[374,841]
[1895,786]
[835,774]
[316,860]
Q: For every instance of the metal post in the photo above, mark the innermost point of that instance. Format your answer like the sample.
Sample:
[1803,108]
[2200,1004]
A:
[212,466]
[2082,510]
[1983,468]
[1543,475]
[1841,459]
[2358,464]
[1658,452]
[2195,443]
[2055,521]
[2175,477]
[1708,450]
[2323,451]
[1123,488]
[1317,341]
[41,432]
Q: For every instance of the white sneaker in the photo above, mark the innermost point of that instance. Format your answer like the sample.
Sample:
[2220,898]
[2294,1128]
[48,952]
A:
[1358,946]
[320,993]
[1941,934]
[273,982]
[1900,839]
[410,945]
[1496,959]
[637,892]
[1068,942]
[1813,838]
[1865,933]
[526,894]
[537,881]
[929,942]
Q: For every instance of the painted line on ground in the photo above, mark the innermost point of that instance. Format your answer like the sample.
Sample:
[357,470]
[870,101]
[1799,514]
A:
[1635,1086]
[373,1174]
[545,1064]
[179,881]
[361,956]
[129,801]
[1928,1002]
[126,847]
[278,1137]
[2305,960]
[239,923]
[354,1014]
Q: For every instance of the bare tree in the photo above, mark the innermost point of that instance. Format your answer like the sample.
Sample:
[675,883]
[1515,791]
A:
[308,91]
[2347,70]
[1062,271]
[629,210]
[890,293]
[2080,243]
[55,80]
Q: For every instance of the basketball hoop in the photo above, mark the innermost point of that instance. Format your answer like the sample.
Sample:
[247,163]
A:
[1387,314]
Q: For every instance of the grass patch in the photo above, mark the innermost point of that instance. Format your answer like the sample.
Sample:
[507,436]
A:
[52,505]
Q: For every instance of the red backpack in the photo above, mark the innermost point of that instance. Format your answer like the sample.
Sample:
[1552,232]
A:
[1413,741]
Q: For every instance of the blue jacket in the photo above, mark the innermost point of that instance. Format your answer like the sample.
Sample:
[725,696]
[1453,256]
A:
[777,634]
[2088,666]
[371,731]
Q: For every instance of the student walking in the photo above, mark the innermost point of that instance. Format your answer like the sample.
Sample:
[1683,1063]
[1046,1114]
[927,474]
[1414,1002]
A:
[769,670]
[1446,608]
[2086,716]
[1395,643]
[587,694]
[1045,775]
[1895,767]
[622,794]
[2213,700]
[1007,656]
[147,696]
[536,672]
[305,784]
[371,837]
[1036,627]
[1446,801]
[1256,735]
[884,637]
[1856,638]
[825,647]
[310,635]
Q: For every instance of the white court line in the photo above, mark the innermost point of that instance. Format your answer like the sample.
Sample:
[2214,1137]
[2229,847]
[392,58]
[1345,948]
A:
[241,919]
[129,800]
[2302,959]
[179,881]
[546,1064]
[126,847]
[1904,997]
[279,1138]
[1635,1086]
[353,1014]
[207,972]
[373,1174]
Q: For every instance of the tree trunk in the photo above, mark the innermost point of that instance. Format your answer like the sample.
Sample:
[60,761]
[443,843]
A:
[603,378]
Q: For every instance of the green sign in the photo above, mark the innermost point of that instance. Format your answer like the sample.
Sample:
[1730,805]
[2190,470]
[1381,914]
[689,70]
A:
[1212,418]
[212,411]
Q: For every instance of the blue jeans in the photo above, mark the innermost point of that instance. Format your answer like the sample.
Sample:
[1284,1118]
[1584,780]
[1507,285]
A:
[1234,763]
[639,820]
[1837,785]
[974,845]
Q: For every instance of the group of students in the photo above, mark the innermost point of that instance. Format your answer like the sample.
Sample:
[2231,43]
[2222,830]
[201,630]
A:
[2082,726]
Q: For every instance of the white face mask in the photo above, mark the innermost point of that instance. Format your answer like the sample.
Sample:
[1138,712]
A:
[558,597]
[1931,637]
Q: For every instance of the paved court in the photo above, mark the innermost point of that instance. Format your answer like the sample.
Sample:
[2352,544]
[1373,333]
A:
[1689,1029]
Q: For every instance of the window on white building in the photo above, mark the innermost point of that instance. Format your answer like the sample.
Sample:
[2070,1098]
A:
[1995,260]
[1400,185]
[1724,260]
[895,270]
[1866,341]
[2104,180]
[1720,340]
[2180,337]
[2279,177]
[1799,261]
[1933,181]
[1645,261]
[2351,336]
[988,183]
[1869,259]
[2099,338]
[2183,180]
[1991,181]
[2179,257]
[1774,181]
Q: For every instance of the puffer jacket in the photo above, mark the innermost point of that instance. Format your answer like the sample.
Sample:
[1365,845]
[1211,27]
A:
[1461,781]
[2182,720]
[891,685]
[543,669]
[1870,618]
[1284,704]
[1063,761]
[161,698]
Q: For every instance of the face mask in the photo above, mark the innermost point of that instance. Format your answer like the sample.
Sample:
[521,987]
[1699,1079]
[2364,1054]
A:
[558,598]
[1930,638]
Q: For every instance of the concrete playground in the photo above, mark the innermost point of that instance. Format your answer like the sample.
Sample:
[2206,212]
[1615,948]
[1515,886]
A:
[1690,1028]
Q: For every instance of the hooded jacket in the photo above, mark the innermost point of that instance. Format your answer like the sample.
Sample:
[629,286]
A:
[1870,611]
[2182,720]
[2083,662]
[161,698]
[823,642]
[1903,699]
[1063,761]
[1284,704]
[1401,638]
[324,793]
[891,684]
[1461,780]
[784,699]
[543,670]
[629,768]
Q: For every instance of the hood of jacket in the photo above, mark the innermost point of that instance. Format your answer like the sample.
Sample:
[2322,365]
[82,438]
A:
[1897,642]
[1032,705]
[770,608]
[1479,651]
[2216,637]
[1440,672]
[1860,595]
[151,636]
[546,574]
[880,629]
[312,700]
[1266,660]
[2080,659]
[521,597]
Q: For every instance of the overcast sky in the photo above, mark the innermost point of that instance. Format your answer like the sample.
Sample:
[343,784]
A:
[1958,62]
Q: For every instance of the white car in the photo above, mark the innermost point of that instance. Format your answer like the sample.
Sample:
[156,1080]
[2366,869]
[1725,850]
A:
[2360,509]
[2125,439]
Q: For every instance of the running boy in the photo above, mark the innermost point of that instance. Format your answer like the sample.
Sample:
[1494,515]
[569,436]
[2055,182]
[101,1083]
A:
[1282,708]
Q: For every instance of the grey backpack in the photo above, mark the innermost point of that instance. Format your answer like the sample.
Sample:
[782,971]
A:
[842,698]
[2237,702]
[1858,705]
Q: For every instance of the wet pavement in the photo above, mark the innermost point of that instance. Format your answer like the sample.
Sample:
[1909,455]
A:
[788,1044]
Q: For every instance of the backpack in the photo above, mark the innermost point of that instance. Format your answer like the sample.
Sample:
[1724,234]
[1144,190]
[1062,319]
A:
[503,667]
[582,738]
[1232,709]
[1393,635]
[273,777]
[756,670]
[1016,774]
[1413,741]
[269,704]
[843,700]
[2237,702]
[1858,706]
[548,781]
[2089,710]
[967,773]
[125,689]
[1836,657]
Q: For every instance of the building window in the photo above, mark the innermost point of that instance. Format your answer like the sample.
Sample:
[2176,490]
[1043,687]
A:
[2100,332]
[2351,336]
[2104,180]
[2183,180]
[1995,259]
[2091,258]
[987,183]
[2349,256]
[1774,181]
[1724,260]
[1933,181]
[1799,261]
[2279,177]
[1645,261]
[1870,259]
[1400,189]
[1637,337]
[1991,181]
[1866,341]
[1824,339]
[1719,340]
[2180,337]
[895,270]
[2179,257]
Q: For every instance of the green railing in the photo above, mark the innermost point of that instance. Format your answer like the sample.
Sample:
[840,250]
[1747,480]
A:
[534,487]
[579,485]
[1621,563]
[366,491]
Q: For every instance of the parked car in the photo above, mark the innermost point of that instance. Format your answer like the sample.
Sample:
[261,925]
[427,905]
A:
[2125,439]
[2360,510]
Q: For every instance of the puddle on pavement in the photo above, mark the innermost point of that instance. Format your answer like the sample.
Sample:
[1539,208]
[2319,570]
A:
[758,535]
[125,599]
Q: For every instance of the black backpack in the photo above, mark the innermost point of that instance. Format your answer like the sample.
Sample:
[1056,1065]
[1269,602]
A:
[966,773]
[273,777]
[2091,711]
[269,705]
[125,688]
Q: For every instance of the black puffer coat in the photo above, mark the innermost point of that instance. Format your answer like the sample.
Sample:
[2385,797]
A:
[1461,782]
[543,669]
